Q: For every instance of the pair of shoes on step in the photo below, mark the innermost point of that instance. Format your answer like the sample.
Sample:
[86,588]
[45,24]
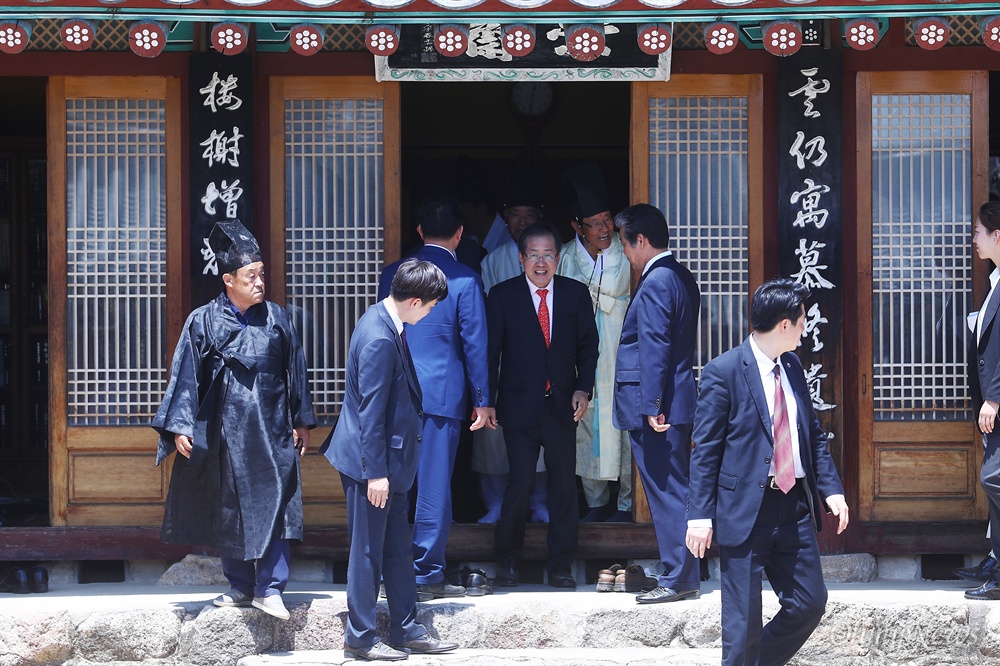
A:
[382,652]
[271,604]
[617,578]
[19,581]
[980,573]
[474,581]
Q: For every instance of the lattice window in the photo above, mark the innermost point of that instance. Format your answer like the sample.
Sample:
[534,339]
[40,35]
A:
[921,266]
[688,36]
[698,152]
[115,260]
[333,237]
[108,35]
[345,37]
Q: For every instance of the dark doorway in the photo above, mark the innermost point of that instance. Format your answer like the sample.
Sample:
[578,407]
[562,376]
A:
[467,137]
[24,433]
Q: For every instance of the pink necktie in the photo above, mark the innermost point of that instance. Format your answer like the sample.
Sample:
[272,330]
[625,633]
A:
[784,465]
[543,321]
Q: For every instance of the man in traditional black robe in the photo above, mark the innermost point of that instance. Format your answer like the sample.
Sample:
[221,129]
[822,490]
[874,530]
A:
[238,411]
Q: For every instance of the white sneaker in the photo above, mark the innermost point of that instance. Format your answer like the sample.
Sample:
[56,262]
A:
[272,605]
[233,599]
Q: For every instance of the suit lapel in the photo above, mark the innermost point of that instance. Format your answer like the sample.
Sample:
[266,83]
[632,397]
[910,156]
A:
[661,262]
[408,370]
[991,311]
[751,373]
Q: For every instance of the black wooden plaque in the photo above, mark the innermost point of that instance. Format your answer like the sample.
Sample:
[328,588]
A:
[221,157]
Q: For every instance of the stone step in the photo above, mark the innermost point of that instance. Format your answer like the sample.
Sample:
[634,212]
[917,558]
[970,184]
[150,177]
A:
[885,623]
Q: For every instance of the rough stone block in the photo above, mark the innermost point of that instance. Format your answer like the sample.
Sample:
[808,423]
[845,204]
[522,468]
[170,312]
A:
[220,636]
[195,570]
[898,567]
[850,568]
[311,571]
[35,638]
[144,572]
[129,635]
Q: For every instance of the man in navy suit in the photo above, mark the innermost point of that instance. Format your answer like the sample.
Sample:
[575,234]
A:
[375,447]
[761,471]
[543,357]
[655,391]
[449,352]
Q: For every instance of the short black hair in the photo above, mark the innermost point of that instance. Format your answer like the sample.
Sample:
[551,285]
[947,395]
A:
[418,279]
[538,229]
[646,220]
[775,301]
[438,217]
[989,215]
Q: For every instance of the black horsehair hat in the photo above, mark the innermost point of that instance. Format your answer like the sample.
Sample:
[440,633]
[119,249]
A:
[234,245]
[584,190]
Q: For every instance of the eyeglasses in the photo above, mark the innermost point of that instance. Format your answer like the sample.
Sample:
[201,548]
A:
[603,222]
[540,257]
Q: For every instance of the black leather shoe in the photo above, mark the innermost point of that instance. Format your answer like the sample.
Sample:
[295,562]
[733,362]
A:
[561,576]
[599,514]
[441,590]
[662,595]
[988,591]
[426,645]
[39,580]
[980,573]
[476,582]
[378,652]
[506,573]
[16,581]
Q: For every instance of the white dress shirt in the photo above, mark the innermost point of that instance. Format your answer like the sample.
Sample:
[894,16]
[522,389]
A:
[994,279]
[665,253]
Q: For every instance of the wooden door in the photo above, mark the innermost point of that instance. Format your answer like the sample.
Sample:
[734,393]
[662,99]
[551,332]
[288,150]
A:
[114,236]
[922,167]
[696,152]
[335,163]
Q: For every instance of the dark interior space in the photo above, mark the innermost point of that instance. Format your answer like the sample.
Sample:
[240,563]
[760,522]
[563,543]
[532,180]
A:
[466,137]
[24,481]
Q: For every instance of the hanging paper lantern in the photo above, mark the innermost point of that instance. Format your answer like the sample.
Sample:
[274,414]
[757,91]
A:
[782,38]
[585,42]
[451,40]
[721,37]
[518,39]
[147,38]
[229,38]
[77,34]
[14,36]
[654,38]
[306,38]
[989,26]
[931,33]
[382,40]
[862,34]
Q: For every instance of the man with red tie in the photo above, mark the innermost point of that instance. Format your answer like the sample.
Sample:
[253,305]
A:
[760,473]
[542,360]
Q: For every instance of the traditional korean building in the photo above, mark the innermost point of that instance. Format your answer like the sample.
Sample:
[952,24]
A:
[847,143]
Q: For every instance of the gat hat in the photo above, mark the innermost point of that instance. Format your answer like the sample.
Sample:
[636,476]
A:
[234,245]
[523,188]
[584,190]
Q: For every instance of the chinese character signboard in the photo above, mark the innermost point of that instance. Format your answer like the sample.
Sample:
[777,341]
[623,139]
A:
[221,167]
[809,212]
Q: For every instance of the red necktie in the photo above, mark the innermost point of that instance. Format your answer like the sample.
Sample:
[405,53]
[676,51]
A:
[784,464]
[543,321]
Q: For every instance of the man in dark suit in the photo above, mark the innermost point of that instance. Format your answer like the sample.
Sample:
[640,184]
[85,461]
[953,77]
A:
[761,471]
[543,356]
[449,352]
[655,392]
[375,447]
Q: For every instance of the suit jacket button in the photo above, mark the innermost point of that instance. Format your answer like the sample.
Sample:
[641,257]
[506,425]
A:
[418,438]
[982,362]
[762,484]
[767,461]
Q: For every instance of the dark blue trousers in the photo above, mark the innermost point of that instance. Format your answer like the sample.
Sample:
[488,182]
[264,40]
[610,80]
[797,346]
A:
[263,577]
[432,518]
[664,463]
[380,551]
[783,545]
[559,442]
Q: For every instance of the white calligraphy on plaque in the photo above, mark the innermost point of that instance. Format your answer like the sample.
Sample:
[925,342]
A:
[813,319]
[220,149]
[211,265]
[814,152]
[485,42]
[809,266]
[810,90]
[810,212]
[814,377]
[219,93]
